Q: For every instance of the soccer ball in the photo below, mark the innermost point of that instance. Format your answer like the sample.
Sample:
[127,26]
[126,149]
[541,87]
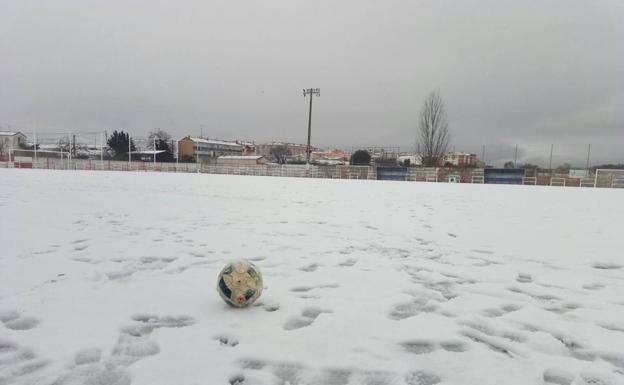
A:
[240,283]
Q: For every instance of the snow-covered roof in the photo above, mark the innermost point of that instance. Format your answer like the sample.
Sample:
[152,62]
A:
[242,157]
[212,141]
[46,146]
[149,152]
[10,133]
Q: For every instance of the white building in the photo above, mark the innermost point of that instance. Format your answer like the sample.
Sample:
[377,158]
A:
[413,160]
[11,140]
[204,149]
[241,160]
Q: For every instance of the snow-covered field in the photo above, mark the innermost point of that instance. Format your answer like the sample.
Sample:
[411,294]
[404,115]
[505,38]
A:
[110,278]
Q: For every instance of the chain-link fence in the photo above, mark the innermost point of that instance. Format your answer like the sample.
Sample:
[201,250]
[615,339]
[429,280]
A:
[598,178]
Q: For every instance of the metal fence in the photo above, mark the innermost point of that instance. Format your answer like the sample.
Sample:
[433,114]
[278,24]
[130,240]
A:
[602,178]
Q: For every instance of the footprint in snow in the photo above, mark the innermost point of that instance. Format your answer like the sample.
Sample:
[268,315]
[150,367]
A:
[559,377]
[15,321]
[498,312]
[606,265]
[310,268]
[226,340]
[426,346]
[303,289]
[132,345]
[524,278]
[422,378]
[348,262]
[308,316]
[19,364]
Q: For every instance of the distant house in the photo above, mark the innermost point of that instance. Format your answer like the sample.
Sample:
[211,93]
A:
[241,161]
[10,140]
[148,155]
[295,151]
[204,150]
[412,160]
[248,148]
[329,157]
[461,159]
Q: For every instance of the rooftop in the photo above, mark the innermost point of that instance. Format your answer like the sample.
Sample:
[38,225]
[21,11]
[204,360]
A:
[9,133]
[241,157]
[212,141]
[149,152]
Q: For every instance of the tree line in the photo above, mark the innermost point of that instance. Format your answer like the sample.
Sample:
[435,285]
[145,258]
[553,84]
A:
[120,143]
[432,134]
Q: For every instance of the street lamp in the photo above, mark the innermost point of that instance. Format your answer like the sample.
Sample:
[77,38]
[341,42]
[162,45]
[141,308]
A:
[311,92]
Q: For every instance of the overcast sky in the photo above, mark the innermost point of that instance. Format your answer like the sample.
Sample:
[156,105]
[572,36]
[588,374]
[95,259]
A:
[510,72]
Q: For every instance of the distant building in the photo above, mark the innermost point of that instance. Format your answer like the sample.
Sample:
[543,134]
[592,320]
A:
[240,161]
[205,150]
[148,155]
[411,160]
[11,140]
[249,148]
[331,156]
[295,151]
[461,159]
[381,155]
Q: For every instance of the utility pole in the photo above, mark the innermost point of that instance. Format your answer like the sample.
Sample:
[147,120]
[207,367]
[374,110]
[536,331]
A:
[69,153]
[311,92]
[102,153]
[550,161]
[516,156]
[154,152]
[483,155]
[587,165]
[35,145]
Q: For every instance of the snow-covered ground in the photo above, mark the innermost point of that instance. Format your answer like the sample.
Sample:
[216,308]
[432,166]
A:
[110,278]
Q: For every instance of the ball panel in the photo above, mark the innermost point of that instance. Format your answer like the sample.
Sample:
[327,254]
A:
[224,289]
[240,283]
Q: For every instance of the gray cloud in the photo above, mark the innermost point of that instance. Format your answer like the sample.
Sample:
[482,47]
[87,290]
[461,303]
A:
[530,73]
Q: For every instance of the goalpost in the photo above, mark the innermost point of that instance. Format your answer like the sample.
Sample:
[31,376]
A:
[613,178]
[37,157]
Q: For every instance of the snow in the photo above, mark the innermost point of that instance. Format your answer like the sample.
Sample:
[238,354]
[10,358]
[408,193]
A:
[110,278]
[213,141]
[242,157]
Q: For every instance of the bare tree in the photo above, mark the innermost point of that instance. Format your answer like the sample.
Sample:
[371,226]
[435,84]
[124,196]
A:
[162,140]
[280,152]
[433,135]
[2,145]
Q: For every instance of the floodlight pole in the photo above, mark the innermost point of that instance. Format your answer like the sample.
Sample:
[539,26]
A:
[311,92]
[102,153]
[69,138]
[550,161]
[35,146]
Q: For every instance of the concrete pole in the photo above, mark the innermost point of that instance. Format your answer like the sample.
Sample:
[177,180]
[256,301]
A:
[35,145]
[69,153]
[102,153]
[550,161]
[309,131]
